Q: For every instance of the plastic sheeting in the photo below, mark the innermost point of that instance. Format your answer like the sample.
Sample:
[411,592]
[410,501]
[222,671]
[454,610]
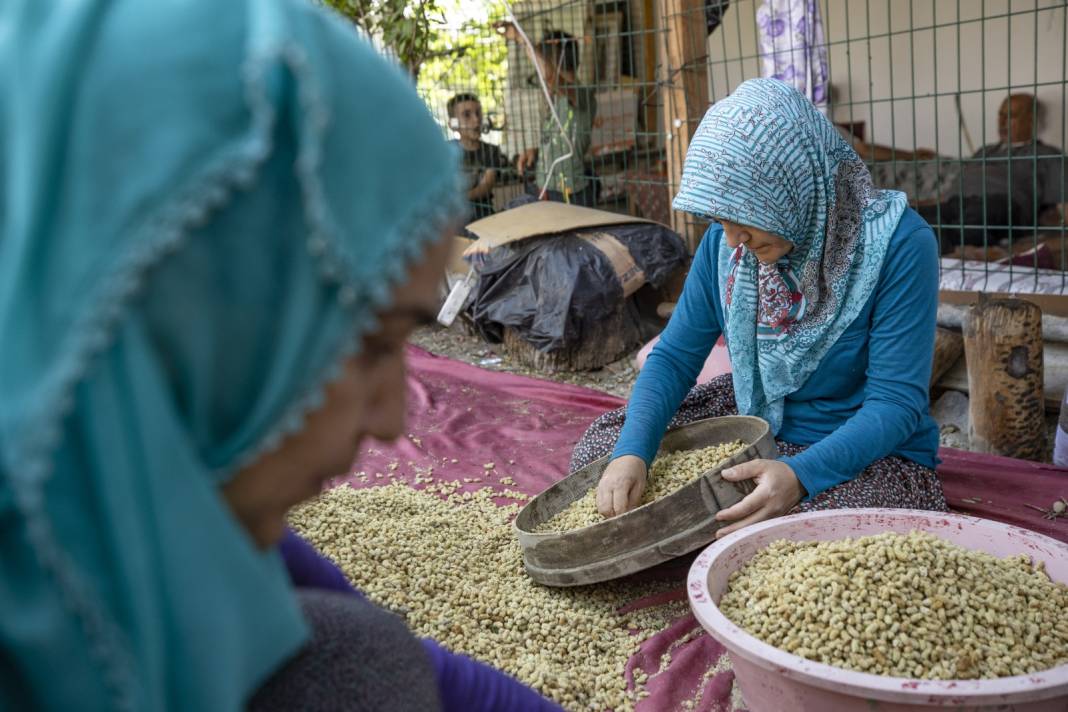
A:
[553,290]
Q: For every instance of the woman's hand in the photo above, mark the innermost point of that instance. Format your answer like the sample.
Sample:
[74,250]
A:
[621,486]
[776,493]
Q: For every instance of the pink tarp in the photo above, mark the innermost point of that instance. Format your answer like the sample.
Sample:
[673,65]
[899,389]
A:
[527,427]
[461,418]
[998,488]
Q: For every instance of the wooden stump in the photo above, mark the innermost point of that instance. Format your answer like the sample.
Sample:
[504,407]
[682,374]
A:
[601,343]
[949,345]
[683,82]
[1003,348]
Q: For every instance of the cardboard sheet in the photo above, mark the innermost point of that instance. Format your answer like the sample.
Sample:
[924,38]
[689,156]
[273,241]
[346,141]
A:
[548,218]
[536,219]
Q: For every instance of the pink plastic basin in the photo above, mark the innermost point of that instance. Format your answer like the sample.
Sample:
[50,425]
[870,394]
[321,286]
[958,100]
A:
[774,680]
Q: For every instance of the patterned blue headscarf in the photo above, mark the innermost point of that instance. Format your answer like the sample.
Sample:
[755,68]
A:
[765,157]
[203,204]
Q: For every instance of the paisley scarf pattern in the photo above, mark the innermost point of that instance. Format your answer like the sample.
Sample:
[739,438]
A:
[780,303]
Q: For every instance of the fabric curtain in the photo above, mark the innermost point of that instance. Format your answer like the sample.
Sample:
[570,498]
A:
[792,47]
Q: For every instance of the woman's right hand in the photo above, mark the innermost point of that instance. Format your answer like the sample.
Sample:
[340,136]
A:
[621,486]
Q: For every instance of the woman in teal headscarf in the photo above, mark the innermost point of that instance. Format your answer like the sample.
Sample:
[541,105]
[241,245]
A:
[206,281]
[825,290]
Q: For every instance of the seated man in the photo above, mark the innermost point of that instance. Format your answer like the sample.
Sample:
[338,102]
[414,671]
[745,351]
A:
[1011,186]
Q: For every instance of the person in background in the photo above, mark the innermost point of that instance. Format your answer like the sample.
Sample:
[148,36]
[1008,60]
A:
[208,280]
[481,160]
[1013,186]
[825,289]
[558,167]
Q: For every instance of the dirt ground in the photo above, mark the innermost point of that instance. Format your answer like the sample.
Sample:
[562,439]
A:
[615,378]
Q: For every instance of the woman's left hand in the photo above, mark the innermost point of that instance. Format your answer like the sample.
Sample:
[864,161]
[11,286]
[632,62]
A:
[776,493]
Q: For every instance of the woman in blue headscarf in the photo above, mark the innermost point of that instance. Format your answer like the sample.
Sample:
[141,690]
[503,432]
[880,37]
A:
[206,281]
[825,290]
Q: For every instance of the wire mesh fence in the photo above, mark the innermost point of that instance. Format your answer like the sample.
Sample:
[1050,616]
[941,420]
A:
[921,88]
[598,61]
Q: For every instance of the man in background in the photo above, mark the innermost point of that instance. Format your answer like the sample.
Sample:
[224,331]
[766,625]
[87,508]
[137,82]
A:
[1012,186]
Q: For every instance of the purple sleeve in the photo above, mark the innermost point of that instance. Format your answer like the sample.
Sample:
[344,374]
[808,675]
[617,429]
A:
[310,569]
[466,685]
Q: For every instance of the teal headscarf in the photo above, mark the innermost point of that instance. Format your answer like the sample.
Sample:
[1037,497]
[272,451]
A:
[766,157]
[204,204]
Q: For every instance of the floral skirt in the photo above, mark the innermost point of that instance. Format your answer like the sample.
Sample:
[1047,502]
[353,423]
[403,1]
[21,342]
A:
[889,482]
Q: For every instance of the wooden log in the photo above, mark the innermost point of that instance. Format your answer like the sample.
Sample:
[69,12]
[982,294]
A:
[1003,348]
[683,92]
[949,345]
[672,289]
[1054,328]
[601,343]
[649,51]
[1054,375]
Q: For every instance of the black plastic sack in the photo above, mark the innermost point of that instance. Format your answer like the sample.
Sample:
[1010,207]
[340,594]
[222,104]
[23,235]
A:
[552,289]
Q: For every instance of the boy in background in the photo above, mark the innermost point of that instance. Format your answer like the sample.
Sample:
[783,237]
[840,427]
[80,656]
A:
[481,160]
[571,180]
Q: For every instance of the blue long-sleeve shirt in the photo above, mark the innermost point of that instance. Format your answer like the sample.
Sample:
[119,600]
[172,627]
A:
[866,400]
